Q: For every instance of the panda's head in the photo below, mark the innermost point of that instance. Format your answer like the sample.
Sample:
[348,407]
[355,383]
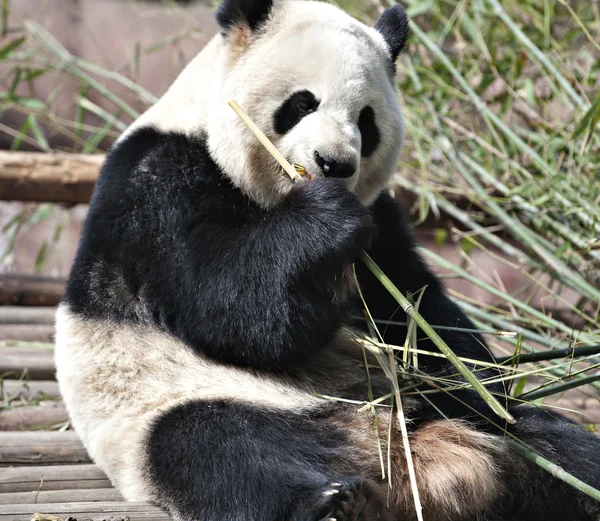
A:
[316,81]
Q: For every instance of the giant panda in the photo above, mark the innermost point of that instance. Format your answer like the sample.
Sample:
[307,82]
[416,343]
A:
[209,315]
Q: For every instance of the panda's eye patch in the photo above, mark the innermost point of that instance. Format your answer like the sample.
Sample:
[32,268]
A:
[368,131]
[297,106]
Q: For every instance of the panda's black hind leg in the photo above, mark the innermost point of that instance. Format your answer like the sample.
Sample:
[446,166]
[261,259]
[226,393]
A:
[353,499]
[226,461]
[534,494]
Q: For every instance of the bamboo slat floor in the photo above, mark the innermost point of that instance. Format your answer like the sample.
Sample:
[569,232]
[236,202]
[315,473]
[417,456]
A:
[46,475]
[73,492]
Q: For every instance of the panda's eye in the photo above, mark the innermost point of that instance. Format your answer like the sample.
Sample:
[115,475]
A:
[296,107]
[368,131]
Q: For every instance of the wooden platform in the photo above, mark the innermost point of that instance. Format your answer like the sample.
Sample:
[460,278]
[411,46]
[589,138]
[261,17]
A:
[45,472]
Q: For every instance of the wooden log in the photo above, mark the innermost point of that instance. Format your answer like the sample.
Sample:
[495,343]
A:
[42,177]
[31,315]
[60,496]
[37,448]
[52,477]
[27,332]
[11,390]
[116,511]
[39,363]
[25,417]
[30,290]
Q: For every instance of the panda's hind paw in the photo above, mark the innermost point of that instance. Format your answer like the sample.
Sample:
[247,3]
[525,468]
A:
[351,499]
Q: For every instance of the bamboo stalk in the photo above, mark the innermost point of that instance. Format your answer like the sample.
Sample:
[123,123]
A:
[35,448]
[436,339]
[60,496]
[264,140]
[52,477]
[577,100]
[69,63]
[552,354]
[84,510]
[554,469]
[545,319]
[559,388]
[519,143]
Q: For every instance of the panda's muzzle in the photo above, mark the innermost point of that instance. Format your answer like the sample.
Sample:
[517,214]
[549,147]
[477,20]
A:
[334,168]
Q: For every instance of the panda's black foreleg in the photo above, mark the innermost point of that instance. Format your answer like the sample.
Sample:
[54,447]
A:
[225,461]
[394,250]
[272,291]
[533,493]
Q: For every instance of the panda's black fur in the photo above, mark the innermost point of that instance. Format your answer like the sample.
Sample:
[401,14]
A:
[170,243]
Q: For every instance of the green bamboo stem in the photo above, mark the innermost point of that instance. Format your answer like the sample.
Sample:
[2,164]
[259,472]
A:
[436,339]
[557,471]
[90,106]
[516,228]
[559,388]
[522,204]
[69,63]
[553,370]
[144,94]
[465,219]
[474,311]
[545,319]
[496,120]
[506,325]
[552,354]
[565,232]
[578,101]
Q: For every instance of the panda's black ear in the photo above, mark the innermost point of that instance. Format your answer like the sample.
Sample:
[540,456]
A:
[233,13]
[393,25]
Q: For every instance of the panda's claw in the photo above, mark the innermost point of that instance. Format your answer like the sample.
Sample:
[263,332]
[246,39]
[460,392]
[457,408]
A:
[353,499]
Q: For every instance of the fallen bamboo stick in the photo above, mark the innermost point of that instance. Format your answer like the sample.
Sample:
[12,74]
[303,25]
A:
[52,477]
[60,496]
[30,363]
[35,448]
[43,177]
[26,417]
[105,510]
[28,390]
[31,315]
[30,290]
[27,332]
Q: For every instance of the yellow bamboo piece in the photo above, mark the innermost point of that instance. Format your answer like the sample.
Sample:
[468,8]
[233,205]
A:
[265,141]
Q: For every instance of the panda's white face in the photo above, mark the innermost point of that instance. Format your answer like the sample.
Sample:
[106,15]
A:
[319,85]
[316,81]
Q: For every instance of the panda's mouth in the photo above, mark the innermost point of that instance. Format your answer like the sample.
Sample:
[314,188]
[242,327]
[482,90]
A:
[302,171]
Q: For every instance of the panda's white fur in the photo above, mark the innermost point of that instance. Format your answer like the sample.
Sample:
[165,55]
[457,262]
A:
[129,365]
[117,379]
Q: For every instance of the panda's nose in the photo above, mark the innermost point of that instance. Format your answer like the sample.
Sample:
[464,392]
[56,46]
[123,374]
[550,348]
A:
[334,168]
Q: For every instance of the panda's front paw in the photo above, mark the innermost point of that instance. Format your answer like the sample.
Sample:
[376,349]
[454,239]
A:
[345,500]
[343,222]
